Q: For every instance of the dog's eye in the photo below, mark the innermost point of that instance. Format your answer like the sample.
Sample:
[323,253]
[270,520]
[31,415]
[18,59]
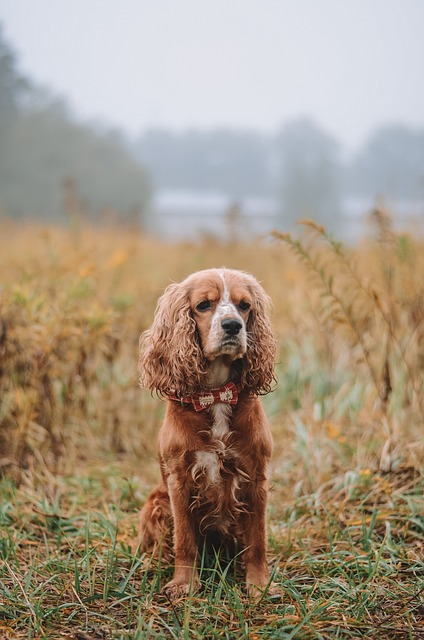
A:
[204,305]
[244,306]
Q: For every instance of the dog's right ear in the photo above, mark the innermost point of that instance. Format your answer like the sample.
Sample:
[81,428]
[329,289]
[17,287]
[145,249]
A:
[171,360]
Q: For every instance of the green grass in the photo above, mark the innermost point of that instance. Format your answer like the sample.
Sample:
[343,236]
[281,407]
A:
[348,560]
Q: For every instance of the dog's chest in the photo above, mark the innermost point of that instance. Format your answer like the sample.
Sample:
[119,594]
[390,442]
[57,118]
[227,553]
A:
[209,461]
[217,476]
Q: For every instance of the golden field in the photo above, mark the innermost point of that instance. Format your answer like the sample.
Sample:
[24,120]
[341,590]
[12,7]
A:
[78,437]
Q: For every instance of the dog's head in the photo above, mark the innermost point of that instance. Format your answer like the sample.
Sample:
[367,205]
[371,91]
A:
[212,313]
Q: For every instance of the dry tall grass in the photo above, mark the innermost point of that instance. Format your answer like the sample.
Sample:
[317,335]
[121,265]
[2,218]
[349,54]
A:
[347,414]
[73,305]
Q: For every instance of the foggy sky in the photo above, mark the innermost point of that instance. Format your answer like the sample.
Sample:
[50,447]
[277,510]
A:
[351,66]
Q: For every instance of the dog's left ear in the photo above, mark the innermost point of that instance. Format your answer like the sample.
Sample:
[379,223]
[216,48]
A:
[259,361]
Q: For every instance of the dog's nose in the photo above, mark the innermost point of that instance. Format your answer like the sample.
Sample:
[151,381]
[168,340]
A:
[231,326]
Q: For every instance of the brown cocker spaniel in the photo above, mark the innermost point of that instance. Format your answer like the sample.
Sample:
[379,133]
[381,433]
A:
[210,352]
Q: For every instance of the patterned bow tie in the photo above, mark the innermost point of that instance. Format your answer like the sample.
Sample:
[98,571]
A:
[228,394]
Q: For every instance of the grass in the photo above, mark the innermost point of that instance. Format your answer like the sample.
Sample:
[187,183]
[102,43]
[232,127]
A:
[348,559]
[77,439]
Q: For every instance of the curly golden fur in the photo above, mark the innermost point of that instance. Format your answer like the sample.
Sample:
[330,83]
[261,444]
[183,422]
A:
[171,356]
[210,330]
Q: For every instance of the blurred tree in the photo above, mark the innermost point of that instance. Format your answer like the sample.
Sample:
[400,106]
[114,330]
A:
[309,169]
[12,84]
[390,164]
[224,160]
[42,147]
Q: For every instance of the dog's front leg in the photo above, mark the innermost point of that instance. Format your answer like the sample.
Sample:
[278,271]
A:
[185,544]
[255,541]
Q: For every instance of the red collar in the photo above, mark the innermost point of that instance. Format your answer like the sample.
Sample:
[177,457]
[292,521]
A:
[228,394]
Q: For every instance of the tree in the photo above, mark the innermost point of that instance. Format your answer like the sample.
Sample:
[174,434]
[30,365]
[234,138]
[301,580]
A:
[309,169]
[391,164]
[223,160]
[12,85]
[42,147]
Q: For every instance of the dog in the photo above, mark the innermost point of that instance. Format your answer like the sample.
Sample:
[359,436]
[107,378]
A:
[210,352]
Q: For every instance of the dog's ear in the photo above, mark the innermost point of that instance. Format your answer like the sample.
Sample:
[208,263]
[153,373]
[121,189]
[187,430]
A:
[259,360]
[171,360]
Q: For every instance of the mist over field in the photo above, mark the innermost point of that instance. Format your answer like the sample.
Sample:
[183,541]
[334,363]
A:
[180,185]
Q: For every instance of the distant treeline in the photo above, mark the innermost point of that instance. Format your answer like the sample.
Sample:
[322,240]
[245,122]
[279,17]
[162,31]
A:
[50,164]
[301,165]
[391,161]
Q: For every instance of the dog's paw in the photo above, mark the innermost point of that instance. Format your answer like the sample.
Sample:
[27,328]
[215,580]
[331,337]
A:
[175,590]
[267,592]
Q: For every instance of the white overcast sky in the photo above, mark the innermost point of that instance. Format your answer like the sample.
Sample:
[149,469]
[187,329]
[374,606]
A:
[351,65]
